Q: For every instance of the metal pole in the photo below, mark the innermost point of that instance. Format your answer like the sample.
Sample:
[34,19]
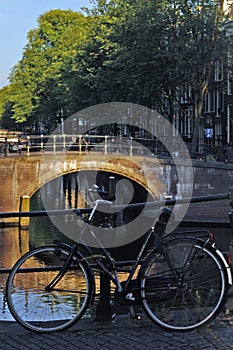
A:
[106,144]
[104,311]
[28,146]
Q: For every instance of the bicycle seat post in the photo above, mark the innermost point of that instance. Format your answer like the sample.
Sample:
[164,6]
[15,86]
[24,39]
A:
[93,211]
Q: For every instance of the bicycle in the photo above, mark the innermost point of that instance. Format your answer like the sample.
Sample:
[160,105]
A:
[181,284]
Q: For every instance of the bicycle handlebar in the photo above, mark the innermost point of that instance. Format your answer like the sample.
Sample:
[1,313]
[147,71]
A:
[95,189]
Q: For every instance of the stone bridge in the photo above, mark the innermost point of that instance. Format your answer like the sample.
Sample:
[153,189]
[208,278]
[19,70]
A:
[21,176]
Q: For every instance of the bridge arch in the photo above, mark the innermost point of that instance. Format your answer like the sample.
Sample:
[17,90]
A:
[124,166]
[96,171]
[22,177]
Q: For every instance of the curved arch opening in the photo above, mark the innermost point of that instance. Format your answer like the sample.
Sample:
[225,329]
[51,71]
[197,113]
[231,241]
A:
[72,191]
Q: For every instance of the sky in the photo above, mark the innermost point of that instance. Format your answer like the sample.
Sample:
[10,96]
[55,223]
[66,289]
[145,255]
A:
[17,18]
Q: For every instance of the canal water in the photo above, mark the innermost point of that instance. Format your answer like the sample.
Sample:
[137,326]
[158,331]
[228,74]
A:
[72,191]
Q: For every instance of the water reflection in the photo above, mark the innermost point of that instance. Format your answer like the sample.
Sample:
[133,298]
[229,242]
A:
[13,243]
[34,304]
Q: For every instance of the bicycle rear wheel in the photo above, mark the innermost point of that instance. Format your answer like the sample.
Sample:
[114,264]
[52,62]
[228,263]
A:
[184,288]
[42,310]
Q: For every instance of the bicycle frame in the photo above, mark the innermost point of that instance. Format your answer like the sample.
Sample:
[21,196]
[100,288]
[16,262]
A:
[112,269]
[106,263]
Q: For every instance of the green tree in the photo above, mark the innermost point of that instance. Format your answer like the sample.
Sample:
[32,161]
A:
[41,79]
[6,107]
[98,70]
[122,50]
[203,42]
[154,51]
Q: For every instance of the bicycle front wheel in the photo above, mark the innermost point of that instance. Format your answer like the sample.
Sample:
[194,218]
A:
[33,304]
[185,287]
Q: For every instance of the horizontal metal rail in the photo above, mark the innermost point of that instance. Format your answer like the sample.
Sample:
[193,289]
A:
[44,213]
[119,264]
[157,204]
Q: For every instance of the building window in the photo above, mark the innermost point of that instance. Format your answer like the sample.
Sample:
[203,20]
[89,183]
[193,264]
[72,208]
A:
[229,84]
[218,133]
[209,103]
[219,101]
[185,94]
[229,123]
[218,71]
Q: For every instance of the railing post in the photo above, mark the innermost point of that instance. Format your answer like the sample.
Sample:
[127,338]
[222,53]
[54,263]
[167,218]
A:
[54,144]
[24,207]
[131,146]
[41,143]
[80,143]
[28,145]
[104,312]
[106,144]
[64,142]
[6,148]
[231,196]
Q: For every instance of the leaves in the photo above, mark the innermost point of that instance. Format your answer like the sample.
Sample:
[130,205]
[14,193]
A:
[43,73]
[122,50]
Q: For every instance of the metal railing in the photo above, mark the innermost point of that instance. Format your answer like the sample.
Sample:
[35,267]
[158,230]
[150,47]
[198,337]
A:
[148,205]
[104,144]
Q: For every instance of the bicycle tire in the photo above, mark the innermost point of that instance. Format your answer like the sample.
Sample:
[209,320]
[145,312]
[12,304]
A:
[188,293]
[48,311]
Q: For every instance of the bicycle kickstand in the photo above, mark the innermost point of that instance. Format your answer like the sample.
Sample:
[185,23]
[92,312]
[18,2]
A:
[133,315]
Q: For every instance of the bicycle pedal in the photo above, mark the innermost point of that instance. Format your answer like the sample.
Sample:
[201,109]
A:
[136,317]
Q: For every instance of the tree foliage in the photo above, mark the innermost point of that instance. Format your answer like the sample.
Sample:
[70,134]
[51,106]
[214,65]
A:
[41,79]
[155,51]
[121,50]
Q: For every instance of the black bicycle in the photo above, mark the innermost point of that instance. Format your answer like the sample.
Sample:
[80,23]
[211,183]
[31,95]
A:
[181,281]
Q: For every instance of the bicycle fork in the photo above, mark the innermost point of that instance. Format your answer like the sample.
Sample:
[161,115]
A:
[63,270]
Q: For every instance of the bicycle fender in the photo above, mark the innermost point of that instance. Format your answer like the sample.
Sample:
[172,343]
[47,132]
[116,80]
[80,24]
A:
[223,259]
[228,269]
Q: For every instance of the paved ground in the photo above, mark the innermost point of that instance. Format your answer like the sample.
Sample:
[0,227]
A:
[123,334]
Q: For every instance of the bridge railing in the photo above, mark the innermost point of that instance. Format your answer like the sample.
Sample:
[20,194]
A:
[104,144]
[107,144]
